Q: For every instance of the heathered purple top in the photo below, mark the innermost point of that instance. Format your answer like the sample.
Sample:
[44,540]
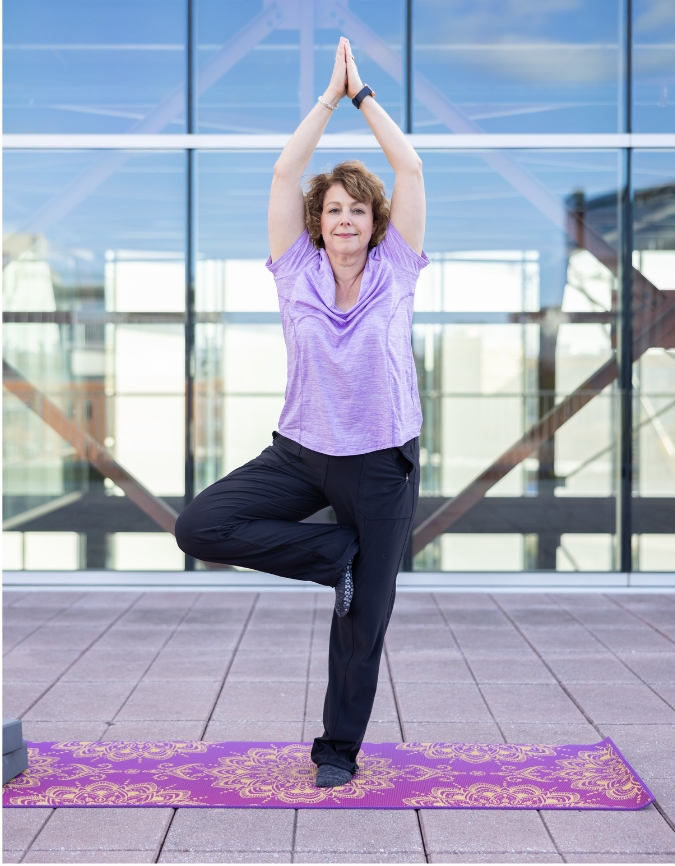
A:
[351,384]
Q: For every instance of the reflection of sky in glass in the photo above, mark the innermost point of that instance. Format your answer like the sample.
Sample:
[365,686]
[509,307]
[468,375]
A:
[138,211]
[78,66]
[653,66]
[83,66]
[529,66]
[287,57]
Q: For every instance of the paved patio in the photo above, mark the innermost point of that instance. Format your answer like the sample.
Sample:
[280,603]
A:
[554,668]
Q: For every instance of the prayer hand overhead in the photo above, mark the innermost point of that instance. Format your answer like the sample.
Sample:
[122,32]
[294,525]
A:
[354,83]
[337,87]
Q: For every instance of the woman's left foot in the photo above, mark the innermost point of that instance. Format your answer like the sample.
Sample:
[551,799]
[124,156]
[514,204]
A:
[328,776]
[344,592]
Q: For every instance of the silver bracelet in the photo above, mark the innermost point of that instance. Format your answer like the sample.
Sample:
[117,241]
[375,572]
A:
[327,104]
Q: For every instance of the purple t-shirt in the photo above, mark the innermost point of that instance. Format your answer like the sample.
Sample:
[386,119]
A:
[351,385]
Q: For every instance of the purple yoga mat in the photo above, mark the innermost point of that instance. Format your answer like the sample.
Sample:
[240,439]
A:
[281,775]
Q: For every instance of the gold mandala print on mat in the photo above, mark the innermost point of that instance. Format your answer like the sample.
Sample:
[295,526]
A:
[599,771]
[288,774]
[48,767]
[107,794]
[128,751]
[479,753]
[484,796]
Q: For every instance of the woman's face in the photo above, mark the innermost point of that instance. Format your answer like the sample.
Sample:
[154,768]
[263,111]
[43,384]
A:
[346,224]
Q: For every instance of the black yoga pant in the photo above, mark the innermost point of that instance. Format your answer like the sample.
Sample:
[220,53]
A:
[251,518]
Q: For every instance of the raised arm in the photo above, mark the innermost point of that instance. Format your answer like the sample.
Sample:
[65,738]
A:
[408,204]
[286,214]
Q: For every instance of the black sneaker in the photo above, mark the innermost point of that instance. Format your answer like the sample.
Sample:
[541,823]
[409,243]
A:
[344,592]
[328,776]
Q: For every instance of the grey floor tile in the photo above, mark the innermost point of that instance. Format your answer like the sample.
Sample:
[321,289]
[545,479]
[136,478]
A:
[226,830]
[477,642]
[441,702]
[170,699]
[81,701]
[21,826]
[18,697]
[619,703]
[651,667]
[251,666]
[188,667]
[589,668]
[650,749]
[639,639]
[563,638]
[63,637]
[256,732]
[469,830]
[43,732]
[452,732]
[96,830]
[23,665]
[403,638]
[429,666]
[511,670]
[110,664]
[261,702]
[530,703]
[198,856]
[552,733]
[383,856]
[97,856]
[363,831]
[148,731]
[643,832]
[496,857]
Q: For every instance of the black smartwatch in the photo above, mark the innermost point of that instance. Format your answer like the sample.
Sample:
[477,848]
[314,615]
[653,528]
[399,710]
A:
[361,95]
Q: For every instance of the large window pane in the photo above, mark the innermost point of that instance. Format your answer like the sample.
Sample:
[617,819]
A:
[653,66]
[93,295]
[526,67]
[654,371]
[104,66]
[514,316]
[260,66]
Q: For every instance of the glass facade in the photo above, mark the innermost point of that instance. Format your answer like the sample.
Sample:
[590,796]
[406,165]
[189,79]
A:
[143,349]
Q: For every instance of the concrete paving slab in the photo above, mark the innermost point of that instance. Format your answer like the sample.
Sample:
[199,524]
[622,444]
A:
[590,668]
[562,638]
[204,666]
[601,833]
[62,637]
[90,857]
[452,732]
[530,703]
[148,731]
[256,732]
[460,831]
[261,702]
[555,733]
[133,639]
[198,856]
[441,702]
[17,698]
[266,667]
[169,699]
[81,701]
[622,703]
[37,665]
[496,857]
[639,639]
[650,749]
[464,617]
[359,857]
[364,832]
[44,732]
[403,638]
[227,830]
[98,830]
[21,826]
[511,670]
[110,664]
[651,667]
[475,642]
[200,639]
[429,666]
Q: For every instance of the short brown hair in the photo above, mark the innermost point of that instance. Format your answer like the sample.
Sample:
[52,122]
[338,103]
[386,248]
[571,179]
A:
[360,184]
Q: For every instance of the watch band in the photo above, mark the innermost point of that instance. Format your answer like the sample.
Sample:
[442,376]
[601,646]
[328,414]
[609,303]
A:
[361,95]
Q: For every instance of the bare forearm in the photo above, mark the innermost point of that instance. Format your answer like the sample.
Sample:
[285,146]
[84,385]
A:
[399,152]
[295,157]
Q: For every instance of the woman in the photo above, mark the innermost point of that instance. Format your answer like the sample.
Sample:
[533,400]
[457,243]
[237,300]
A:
[345,265]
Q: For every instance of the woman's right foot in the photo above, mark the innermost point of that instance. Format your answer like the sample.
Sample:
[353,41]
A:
[344,592]
[328,776]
